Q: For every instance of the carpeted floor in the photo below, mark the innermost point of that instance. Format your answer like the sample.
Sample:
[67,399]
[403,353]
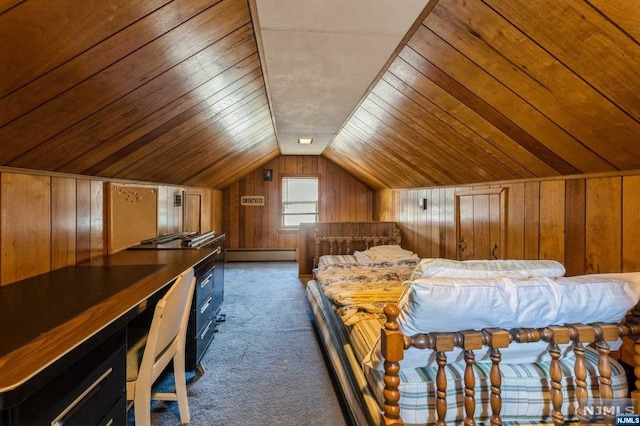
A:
[264,366]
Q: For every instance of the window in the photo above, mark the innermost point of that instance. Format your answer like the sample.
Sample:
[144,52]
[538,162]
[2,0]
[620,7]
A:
[299,201]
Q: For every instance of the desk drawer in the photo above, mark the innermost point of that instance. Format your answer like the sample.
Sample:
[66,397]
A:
[204,338]
[204,312]
[95,397]
[84,393]
[204,286]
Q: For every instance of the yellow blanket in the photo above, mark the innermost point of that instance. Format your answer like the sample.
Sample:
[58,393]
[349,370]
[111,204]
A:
[361,291]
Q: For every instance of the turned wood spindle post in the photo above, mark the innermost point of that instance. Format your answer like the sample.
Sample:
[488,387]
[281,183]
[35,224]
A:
[470,340]
[556,336]
[392,341]
[581,334]
[496,339]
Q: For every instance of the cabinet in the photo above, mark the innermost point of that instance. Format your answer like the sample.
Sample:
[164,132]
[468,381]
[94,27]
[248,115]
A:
[91,391]
[205,314]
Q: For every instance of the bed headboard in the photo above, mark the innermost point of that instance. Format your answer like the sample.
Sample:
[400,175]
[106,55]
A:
[348,244]
[320,238]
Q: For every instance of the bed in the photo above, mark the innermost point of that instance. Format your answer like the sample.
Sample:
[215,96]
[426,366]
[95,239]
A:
[428,352]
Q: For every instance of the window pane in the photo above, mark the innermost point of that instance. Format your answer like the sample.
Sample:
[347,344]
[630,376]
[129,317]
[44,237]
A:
[299,201]
[297,219]
[300,189]
[300,208]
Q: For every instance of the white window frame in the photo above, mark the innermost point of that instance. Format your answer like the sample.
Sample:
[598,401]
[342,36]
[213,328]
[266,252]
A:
[284,202]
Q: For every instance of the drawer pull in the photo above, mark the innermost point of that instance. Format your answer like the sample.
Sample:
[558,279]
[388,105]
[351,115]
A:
[206,281]
[206,305]
[217,251]
[206,329]
[61,420]
[109,423]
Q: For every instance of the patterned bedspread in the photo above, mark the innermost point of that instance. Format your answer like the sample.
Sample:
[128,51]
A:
[361,291]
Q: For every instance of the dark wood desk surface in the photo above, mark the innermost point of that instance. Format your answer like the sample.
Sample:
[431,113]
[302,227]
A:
[94,295]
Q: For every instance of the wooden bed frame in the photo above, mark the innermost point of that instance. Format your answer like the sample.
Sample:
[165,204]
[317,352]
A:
[348,245]
[394,343]
[308,253]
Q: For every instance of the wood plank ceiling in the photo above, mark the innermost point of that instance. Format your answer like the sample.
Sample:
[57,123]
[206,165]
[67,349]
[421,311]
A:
[173,92]
[154,90]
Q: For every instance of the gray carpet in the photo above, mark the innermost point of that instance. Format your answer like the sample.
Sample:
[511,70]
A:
[265,366]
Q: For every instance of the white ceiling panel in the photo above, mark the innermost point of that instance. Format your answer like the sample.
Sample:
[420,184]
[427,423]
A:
[320,57]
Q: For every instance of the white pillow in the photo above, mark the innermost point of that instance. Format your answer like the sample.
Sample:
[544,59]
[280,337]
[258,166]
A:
[448,268]
[362,258]
[450,304]
[387,253]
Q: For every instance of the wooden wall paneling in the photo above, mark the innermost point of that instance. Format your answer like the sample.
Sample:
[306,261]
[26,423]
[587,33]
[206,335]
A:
[217,204]
[630,223]
[98,231]
[242,213]
[531,220]
[341,198]
[345,206]
[274,203]
[25,226]
[83,220]
[163,209]
[515,221]
[260,215]
[423,223]
[177,212]
[323,188]
[205,211]
[552,220]
[232,215]
[306,251]
[249,212]
[450,224]
[464,225]
[481,227]
[63,222]
[332,196]
[497,239]
[575,227]
[436,203]
[604,225]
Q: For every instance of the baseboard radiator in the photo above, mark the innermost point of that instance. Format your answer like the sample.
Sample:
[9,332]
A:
[260,255]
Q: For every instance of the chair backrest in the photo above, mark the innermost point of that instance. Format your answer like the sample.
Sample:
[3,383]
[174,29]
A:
[171,315]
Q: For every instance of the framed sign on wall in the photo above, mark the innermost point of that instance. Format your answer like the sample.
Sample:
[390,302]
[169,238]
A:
[252,200]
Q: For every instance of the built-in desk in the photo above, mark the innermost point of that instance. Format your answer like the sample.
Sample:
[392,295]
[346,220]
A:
[60,328]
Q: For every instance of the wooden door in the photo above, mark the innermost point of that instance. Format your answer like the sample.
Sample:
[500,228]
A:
[480,224]
[192,203]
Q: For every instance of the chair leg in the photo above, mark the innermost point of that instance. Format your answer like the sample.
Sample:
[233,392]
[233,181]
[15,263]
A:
[181,387]
[142,406]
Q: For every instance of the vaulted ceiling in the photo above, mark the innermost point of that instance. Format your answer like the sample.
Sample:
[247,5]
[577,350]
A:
[175,92]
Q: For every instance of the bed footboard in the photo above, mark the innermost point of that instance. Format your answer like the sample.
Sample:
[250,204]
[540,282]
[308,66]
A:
[394,342]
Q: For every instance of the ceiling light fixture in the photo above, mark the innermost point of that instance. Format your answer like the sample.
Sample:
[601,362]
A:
[305,141]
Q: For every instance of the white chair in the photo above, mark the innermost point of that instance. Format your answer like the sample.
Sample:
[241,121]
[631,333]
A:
[165,341]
